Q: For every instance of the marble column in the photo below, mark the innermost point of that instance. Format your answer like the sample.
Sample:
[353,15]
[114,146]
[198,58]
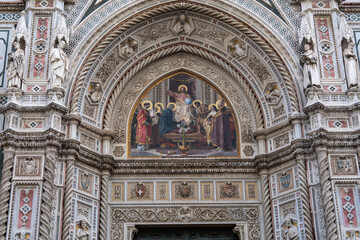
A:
[266,202]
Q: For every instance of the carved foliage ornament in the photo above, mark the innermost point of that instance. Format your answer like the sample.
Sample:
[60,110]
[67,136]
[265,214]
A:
[119,216]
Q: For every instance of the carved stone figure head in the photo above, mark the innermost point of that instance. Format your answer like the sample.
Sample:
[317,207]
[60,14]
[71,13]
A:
[62,44]
[182,18]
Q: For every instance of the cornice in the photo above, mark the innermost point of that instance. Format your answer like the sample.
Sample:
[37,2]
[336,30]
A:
[184,166]
[12,7]
[319,106]
[293,119]
[36,140]
[283,155]
[11,106]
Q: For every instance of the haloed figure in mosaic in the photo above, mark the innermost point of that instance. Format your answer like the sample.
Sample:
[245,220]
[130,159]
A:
[197,121]
[59,62]
[143,129]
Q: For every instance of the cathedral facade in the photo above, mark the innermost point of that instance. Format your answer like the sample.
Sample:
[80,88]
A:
[190,119]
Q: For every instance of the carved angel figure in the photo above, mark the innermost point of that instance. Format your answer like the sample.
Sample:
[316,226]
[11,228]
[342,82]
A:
[182,25]
[15,66]
[237,48]
[128,48]
[59,63]
[310,68]
[82,233]
[351,65]
[95,93]
[290,230]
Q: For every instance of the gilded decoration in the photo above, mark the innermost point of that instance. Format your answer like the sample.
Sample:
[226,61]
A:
[180,123]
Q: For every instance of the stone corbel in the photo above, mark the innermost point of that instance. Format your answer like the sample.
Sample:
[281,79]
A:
[240,229]
[131,232]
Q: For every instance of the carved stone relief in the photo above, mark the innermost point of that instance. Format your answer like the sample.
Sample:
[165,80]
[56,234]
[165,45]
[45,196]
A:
[210,32]
[258,68]
[154,32]
[178,214]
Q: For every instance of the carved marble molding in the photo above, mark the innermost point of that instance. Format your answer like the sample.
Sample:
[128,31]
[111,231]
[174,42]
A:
[273,56]
[124,219]
[126,94]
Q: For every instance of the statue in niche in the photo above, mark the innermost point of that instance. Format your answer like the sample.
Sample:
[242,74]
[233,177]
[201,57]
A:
[59,64]
[182,25]
[350,60]
[289,228]
[308,59]
[351,65]
[15,66]
[21,31]
[310,68]
[128,48]
[58,58]
[82,231]
[95,93]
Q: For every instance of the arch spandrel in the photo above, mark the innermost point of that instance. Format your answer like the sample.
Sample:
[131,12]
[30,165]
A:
[130,93]
[281,65]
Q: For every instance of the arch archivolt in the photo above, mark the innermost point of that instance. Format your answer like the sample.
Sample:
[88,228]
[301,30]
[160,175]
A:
[254,71]
[99,52]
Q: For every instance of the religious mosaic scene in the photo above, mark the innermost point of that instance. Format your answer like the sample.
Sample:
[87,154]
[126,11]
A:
[179,119]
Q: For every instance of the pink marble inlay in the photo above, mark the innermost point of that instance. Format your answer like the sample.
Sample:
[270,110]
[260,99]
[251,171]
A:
[348,207]
[25,206]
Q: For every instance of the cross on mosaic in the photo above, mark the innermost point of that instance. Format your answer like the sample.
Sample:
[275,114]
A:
[190,119]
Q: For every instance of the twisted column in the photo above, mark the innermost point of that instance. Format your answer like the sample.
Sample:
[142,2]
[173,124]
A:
[68,199]
[47,197]
[266,203]
[327,196]
[104,197]
[305,200]
[6,177]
